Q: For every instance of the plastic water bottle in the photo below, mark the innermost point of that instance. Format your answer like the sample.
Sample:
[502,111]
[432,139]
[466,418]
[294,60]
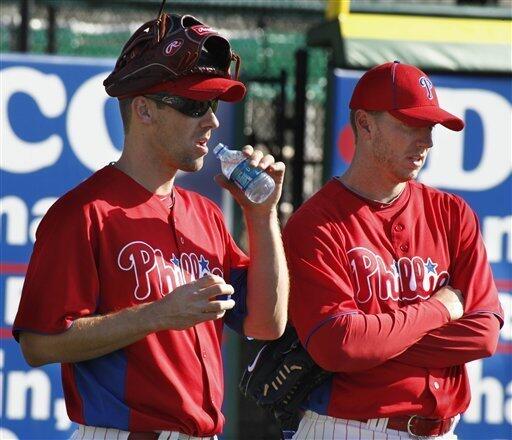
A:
[254,182]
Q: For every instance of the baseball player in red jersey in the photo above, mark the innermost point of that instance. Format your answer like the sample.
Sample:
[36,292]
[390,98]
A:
[390,285]
[132,277]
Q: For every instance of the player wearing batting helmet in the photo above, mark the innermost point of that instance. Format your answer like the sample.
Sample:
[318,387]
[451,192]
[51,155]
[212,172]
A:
[132,277]
[390,285]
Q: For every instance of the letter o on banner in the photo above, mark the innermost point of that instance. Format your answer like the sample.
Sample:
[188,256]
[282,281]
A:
[87,127]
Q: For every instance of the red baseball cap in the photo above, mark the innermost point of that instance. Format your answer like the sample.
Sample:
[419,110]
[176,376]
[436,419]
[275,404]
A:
[405,92]
[177,55]
[201,88]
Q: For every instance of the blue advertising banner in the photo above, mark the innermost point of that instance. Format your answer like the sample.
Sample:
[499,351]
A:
[58,126]
[476,164]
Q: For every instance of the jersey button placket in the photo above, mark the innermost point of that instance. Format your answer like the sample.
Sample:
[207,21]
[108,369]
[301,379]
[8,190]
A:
[399,236]
[398,227]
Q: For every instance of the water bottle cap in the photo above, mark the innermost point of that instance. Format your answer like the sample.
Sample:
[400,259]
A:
[218,148]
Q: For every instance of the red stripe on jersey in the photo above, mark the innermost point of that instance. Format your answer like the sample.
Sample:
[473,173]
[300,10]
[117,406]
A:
[504,284]
[504,348]
[13,268]
[5,333]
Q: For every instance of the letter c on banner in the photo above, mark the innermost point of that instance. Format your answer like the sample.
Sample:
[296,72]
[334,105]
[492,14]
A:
[86,125]
[49,93]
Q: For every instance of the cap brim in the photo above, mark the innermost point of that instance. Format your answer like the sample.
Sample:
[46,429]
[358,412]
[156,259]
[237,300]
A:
[424,116]
[202,88]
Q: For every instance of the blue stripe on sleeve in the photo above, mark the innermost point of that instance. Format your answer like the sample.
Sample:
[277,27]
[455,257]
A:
[326,320]
[234,318]
[101,384]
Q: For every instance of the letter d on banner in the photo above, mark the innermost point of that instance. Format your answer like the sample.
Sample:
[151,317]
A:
[445,167]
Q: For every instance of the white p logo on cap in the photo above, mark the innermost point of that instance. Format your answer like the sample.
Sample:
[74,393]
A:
[427,85]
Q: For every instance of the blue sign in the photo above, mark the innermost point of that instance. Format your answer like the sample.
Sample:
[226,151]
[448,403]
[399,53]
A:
[476,164]
[58,127]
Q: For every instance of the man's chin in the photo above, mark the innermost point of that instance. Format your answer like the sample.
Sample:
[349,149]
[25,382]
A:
[412,176]
[192,167]
[408,177]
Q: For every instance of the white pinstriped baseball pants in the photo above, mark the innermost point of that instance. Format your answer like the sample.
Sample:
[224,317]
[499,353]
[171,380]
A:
[314,426]
[96,433]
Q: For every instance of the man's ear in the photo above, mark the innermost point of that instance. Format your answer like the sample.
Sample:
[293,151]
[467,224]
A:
[142,110]
[362,123]
[365,123]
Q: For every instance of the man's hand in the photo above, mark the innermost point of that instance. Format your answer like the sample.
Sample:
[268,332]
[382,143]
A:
[452,299]
[192,303]
[94,336]
[267,278]
[271,167]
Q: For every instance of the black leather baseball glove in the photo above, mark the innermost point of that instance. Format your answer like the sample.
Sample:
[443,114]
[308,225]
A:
[280,377]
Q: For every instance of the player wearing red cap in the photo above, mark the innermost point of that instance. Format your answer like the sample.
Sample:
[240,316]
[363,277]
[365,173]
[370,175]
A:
[132,277]
[390,285]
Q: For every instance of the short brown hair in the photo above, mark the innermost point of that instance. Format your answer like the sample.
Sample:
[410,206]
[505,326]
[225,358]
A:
[353,122]
[125,107]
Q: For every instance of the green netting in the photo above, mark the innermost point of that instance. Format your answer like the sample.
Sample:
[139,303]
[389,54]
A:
[4,40]
[264,56]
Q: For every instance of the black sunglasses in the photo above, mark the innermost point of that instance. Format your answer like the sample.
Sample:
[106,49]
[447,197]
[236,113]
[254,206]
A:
[189,107]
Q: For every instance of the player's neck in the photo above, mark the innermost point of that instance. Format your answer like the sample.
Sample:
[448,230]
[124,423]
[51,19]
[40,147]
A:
[371,187]
[141,167]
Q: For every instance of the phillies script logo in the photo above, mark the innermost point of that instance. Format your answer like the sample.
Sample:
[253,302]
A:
[200,29]
[406,279]
[143,261]
[173,47]
[427,85]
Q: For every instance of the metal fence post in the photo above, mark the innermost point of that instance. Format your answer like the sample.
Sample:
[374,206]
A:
[51,40]
[301,73]
[24,30]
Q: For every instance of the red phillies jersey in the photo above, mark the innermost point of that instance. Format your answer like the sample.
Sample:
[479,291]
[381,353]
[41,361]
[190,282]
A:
[361,273]
[110,244]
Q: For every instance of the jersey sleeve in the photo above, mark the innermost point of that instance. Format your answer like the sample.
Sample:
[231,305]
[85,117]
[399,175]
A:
[61,283]
[476,334]
[338,335]
[470,271]
[319,279]
[237,262]
[461,341]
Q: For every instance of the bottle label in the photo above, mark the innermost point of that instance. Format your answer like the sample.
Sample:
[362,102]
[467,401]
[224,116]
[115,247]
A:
[244,174]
